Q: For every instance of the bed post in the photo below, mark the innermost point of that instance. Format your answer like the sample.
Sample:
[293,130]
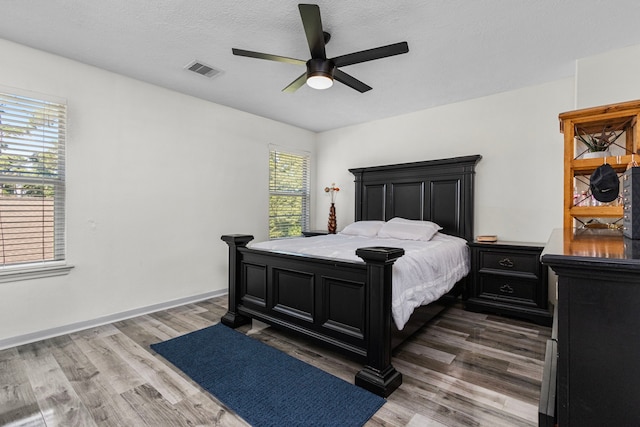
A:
[378,375]
[232,318]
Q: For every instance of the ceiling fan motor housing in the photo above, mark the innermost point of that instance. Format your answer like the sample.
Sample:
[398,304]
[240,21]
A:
[320,67]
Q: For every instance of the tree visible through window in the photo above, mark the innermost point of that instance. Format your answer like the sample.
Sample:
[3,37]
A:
[32,184]
[288,194]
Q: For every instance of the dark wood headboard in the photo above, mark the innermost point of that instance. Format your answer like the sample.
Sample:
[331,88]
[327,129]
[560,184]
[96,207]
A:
[435,190]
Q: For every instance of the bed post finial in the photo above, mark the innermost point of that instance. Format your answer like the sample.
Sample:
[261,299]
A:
[232,318]
[379,376]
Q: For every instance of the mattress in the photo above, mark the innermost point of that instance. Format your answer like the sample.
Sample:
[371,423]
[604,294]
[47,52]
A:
[426,271]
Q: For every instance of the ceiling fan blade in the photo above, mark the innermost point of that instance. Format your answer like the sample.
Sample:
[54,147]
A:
[296,84]
[310,14]
[250,54]
[350,81]
[371,54]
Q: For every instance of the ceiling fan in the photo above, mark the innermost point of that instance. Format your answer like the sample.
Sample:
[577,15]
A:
[321,71]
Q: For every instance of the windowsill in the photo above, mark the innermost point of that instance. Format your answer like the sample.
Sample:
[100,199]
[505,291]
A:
[13,274]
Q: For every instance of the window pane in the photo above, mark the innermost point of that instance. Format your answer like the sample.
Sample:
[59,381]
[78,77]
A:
[289,194]
[285,218]
[32,157]
[27,231]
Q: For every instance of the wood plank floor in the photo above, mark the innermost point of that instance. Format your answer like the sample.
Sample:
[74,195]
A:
[463,369]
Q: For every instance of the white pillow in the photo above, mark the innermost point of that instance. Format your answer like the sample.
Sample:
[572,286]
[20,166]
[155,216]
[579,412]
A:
[406,229]
[363,228]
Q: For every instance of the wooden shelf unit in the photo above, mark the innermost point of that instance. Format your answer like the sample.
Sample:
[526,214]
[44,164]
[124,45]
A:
[621,117]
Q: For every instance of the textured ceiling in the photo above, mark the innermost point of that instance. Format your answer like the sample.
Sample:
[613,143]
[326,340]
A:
[458,49]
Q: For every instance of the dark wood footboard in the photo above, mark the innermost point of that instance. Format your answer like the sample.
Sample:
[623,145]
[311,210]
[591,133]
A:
[346,305]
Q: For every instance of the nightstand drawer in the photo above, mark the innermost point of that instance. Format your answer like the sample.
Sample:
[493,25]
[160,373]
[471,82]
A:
[509,261]
[508,288]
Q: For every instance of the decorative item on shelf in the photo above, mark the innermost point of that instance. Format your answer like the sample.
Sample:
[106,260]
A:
[332,225]
[595,224]
[597,143]
[604,184]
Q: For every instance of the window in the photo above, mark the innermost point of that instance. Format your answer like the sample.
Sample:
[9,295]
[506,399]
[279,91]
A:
[288,194]
[32,180]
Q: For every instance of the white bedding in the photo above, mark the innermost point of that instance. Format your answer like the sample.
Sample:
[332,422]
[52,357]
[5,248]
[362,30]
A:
[423,274]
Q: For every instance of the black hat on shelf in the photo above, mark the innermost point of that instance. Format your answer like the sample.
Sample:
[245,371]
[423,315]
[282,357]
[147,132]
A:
[604,184]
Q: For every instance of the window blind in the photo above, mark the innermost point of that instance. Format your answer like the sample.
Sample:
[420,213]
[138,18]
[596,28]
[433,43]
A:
[288,194]
[32,180]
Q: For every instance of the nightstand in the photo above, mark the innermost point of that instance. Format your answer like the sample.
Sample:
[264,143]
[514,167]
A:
[508,278]
[312,233]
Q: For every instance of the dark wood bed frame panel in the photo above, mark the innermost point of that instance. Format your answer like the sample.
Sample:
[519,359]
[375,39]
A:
[347,305]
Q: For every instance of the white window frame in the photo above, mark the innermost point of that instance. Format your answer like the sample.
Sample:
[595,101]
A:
[302,191]
[57,265]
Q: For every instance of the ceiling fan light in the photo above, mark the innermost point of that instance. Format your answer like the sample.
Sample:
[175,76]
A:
[319,81]
[320,73]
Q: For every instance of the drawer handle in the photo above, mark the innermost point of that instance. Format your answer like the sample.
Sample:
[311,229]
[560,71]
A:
[506,289]
[506,262]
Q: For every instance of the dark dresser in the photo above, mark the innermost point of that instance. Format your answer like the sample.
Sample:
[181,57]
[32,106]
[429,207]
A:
[598,327]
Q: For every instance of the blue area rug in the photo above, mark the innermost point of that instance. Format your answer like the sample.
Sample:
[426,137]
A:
[265,386]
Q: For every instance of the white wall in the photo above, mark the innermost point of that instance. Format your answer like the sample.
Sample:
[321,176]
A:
[154,179]
[608,78]
[518,181]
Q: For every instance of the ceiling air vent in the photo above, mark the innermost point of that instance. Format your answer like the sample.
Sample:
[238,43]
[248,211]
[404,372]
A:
[202,69]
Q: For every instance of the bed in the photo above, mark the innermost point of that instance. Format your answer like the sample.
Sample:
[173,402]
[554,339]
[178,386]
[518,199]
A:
[347,304]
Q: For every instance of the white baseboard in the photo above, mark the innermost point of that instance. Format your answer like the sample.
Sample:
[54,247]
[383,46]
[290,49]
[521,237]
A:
[79,326]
